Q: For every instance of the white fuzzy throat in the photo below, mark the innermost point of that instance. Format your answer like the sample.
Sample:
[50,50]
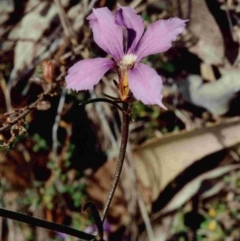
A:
[128,62]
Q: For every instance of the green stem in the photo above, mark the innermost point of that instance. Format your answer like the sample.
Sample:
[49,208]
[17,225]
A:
[121,156]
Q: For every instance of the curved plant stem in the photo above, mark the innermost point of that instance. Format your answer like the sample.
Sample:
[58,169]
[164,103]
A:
[44,224]
[121,156]
[103,100]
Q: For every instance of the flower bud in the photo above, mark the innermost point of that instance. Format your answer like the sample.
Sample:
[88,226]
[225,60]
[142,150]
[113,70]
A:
[43,105]
[48,68]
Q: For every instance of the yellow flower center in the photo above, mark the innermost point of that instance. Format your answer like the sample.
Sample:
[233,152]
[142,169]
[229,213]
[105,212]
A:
[128,62]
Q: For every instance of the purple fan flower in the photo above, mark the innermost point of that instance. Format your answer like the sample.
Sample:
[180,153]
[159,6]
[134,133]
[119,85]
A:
[143,81]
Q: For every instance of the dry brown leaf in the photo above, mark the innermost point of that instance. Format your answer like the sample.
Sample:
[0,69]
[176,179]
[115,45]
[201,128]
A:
[160,161]
[29,32]
[192,187]
[210,46]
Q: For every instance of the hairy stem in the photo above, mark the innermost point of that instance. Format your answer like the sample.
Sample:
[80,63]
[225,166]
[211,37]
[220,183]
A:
[121,156]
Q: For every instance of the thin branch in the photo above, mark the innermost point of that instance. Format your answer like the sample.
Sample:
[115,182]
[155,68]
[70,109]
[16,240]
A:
[135,3]
[56,124]
[26,110]
[44,224]
[66,25]
[6,93]
[122,151]
[229,21]
[90,6]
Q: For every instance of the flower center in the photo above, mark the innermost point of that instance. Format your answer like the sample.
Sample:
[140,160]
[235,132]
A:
[128,61]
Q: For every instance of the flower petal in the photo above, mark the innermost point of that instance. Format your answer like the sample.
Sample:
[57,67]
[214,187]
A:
[106,33]
[159,36]
[86,73]
[146,85]
[127,17]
